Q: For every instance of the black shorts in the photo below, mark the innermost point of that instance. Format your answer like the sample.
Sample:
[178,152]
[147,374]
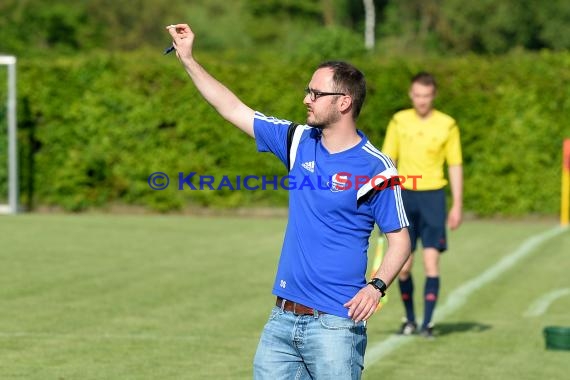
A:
[427,213]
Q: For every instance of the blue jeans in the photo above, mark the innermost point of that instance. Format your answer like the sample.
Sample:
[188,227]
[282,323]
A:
[307,347]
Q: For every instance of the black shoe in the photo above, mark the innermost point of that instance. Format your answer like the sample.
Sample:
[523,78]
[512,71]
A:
[427,332]
[408,328]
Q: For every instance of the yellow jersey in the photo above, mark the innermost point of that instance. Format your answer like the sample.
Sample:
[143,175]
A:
[422,146]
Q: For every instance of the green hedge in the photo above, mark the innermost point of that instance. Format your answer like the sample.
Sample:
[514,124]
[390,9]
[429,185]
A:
[93,128]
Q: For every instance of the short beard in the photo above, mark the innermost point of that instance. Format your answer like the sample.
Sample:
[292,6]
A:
[316,125]
[325,122]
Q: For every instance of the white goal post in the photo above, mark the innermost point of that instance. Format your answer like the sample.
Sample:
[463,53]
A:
[12,206]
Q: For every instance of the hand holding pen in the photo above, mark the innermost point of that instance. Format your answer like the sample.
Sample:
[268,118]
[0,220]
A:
[182,40]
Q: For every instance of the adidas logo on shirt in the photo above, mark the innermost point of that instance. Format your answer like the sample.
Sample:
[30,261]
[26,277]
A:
[309,165]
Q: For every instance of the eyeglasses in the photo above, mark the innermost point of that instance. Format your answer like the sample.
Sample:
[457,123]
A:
[314,94]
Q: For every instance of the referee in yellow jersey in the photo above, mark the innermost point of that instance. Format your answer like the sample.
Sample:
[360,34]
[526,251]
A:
[421,140]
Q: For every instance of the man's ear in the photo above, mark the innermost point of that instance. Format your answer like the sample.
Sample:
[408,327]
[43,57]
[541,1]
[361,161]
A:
[346,103]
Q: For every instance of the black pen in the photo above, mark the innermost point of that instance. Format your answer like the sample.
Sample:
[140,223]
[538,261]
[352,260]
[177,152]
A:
[171,47]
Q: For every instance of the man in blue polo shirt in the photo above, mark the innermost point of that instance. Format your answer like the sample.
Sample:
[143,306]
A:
[343,186]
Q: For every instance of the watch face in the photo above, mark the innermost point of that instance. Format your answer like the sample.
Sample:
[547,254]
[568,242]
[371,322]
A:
[379,284]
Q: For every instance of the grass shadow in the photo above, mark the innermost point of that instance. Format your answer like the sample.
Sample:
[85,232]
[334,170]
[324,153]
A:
[445,328]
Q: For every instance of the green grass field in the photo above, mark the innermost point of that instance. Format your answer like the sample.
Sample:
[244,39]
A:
[178,297]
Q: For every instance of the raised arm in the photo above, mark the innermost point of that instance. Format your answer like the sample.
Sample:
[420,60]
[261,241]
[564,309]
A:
[228,105]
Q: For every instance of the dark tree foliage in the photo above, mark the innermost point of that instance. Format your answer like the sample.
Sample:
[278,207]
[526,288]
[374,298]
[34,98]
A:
[36,27]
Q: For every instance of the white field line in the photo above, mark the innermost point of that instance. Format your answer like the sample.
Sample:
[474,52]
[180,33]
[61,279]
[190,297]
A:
[539,307]
[459,296]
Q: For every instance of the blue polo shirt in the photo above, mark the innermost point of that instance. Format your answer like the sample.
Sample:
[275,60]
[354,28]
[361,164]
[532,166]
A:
[334,201]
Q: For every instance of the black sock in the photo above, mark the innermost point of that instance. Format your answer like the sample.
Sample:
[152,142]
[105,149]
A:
[407,291]
[431,293]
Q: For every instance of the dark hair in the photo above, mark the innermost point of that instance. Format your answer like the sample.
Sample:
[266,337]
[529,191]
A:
[424,78]
[350,80]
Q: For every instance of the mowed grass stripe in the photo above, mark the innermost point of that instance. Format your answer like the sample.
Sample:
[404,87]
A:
[488,337]
[85,276]
[460,295]
[84,296]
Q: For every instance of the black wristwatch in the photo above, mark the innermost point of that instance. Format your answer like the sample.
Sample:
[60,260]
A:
[379,285]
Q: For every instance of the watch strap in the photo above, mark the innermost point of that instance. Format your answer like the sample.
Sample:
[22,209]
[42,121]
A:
[379,285]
